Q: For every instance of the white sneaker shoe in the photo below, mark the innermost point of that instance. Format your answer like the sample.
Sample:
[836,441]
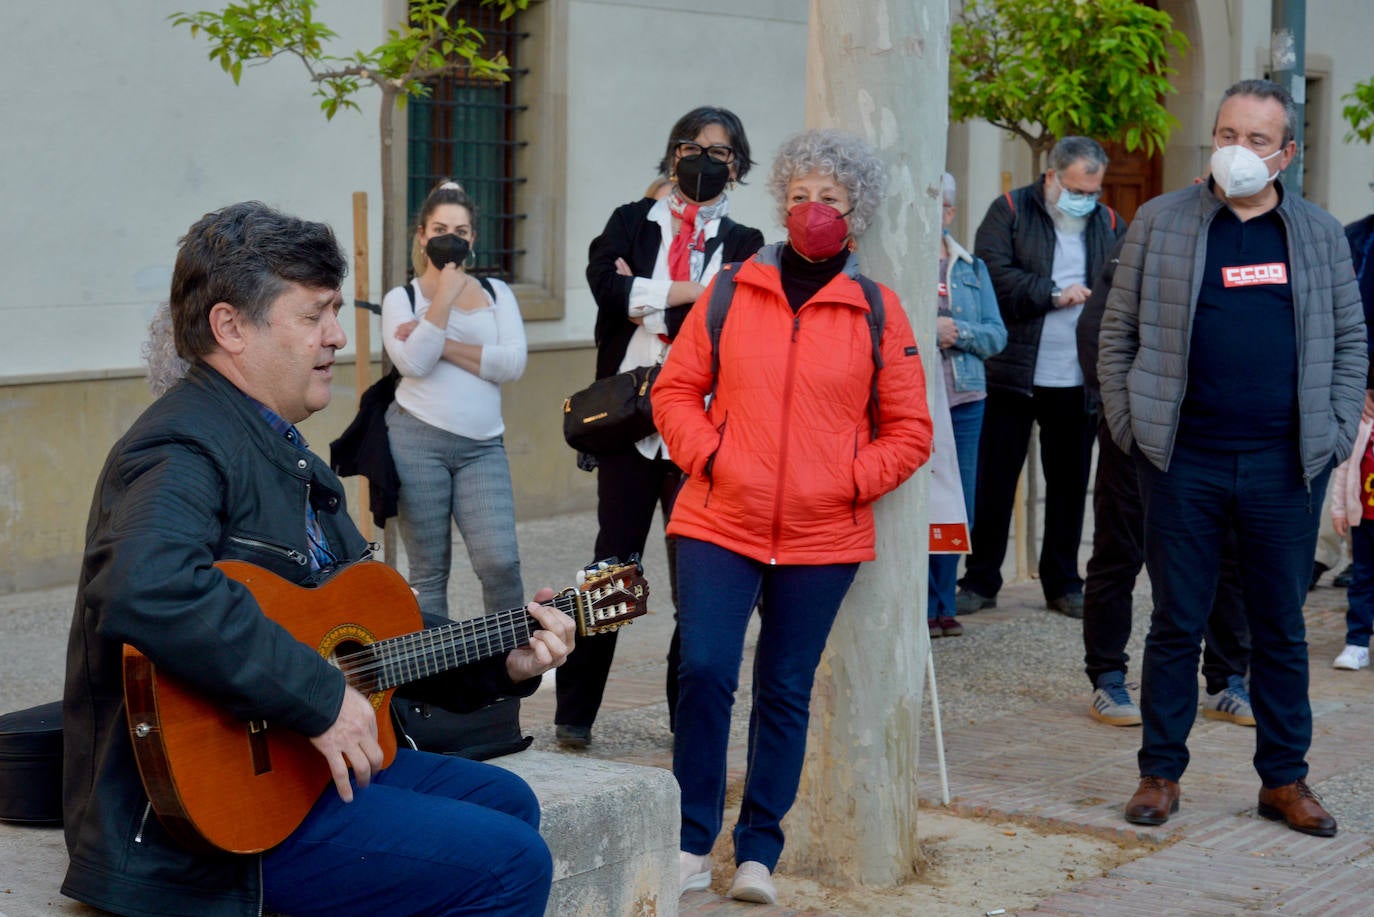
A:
[1352,658]
[753,882]
[693,871]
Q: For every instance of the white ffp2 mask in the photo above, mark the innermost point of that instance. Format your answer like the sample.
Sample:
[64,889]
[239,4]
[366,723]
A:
[1239,172]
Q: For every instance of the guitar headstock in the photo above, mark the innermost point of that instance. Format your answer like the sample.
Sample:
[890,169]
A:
[608,596]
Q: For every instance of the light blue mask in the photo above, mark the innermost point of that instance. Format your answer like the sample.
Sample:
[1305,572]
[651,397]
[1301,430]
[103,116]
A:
[1073,204]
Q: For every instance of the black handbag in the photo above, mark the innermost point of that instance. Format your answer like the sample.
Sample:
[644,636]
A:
[612,413]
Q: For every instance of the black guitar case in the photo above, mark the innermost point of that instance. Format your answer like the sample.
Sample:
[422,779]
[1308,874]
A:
[31,765]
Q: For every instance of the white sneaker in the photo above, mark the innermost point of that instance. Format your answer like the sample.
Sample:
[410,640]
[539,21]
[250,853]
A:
[693,871]
[1352,658]
[753,882]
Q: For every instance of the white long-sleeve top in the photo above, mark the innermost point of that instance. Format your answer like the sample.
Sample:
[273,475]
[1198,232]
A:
[441,393]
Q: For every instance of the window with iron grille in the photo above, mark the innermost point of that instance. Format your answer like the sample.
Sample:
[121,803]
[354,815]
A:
[468,130]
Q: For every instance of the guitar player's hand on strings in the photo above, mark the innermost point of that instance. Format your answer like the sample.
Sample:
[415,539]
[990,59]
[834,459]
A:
[351,742]
[548,647]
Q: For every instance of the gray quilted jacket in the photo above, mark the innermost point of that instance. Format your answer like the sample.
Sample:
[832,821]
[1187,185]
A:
[1143,355]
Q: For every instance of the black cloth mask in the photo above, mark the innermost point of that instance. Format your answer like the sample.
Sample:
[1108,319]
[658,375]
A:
[440,250]
[701,178]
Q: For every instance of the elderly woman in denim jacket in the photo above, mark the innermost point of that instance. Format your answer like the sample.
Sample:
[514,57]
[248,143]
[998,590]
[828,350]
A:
[968,329]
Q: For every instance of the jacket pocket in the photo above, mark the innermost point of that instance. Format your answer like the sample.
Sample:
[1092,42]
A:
[709,470]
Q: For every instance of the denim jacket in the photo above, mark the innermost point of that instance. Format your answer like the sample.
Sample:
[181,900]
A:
[973,305]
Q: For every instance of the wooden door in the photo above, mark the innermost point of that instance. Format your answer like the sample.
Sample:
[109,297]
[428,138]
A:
[1132,179]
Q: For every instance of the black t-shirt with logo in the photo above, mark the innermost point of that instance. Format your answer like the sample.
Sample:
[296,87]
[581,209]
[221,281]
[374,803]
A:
[1243,360]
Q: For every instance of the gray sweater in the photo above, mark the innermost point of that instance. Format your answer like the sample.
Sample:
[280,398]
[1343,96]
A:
[1147,329]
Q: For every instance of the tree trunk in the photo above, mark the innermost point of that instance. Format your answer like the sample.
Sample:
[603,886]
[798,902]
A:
[879,69]
[386,137]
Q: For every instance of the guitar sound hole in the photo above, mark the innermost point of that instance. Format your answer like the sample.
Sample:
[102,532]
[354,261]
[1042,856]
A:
[357,662]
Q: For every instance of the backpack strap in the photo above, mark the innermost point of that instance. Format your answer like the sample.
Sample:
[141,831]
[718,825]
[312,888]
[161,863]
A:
[877,318]
[722,294]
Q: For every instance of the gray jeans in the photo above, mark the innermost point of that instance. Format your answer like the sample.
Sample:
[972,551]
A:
[444,475]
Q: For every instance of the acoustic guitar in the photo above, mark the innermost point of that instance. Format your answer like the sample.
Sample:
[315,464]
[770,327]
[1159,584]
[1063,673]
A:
[244,786]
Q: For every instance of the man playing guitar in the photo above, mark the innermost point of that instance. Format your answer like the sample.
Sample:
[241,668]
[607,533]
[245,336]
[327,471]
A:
[215,470]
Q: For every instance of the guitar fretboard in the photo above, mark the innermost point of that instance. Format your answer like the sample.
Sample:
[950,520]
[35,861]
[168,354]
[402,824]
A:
[400,660]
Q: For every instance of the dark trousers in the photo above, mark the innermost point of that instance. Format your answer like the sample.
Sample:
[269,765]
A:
[628,489]
[1119,553]
[432,834]
[1066,441]
[1359,617]
[1273,511]
[797,605]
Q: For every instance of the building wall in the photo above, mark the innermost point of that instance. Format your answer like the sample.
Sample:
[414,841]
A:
[57,435]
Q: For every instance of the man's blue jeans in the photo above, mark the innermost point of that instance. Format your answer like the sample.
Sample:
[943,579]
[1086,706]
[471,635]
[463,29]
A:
[432,835]
[445,475]
[717,593]
[967,420]
[1188,510]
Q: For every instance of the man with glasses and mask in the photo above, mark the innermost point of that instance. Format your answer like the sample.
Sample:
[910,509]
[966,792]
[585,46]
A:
[1232,364]
[1042,244]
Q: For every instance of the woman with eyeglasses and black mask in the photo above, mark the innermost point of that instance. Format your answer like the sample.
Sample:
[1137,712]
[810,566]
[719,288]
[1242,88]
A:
[646,269]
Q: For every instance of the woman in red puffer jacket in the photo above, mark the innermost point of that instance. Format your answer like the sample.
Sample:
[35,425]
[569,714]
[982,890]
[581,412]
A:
[782,468]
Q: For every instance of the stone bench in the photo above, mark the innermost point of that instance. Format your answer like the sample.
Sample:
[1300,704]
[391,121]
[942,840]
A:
[612,828]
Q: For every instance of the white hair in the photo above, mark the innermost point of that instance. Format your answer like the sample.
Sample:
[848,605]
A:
[165,367]
[948,190]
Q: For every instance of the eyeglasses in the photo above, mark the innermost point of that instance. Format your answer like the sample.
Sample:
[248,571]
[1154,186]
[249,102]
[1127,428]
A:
[719,152]
[1095,195]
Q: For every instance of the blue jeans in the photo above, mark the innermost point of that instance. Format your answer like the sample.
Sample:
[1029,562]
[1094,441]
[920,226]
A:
[442,475]
[1359,617]
[967,420]
[1274,513]
[718,591]
[432,835]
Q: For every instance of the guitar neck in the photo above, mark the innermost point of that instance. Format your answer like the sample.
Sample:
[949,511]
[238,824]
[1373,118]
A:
[390,663]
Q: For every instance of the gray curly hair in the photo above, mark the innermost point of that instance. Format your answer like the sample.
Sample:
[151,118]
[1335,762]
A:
[165,367]
[832,152]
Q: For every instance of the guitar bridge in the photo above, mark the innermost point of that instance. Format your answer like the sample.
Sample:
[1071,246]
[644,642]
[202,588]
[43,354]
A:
[258,751]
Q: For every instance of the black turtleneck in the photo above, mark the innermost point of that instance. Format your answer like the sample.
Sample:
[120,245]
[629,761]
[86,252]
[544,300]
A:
[802,279]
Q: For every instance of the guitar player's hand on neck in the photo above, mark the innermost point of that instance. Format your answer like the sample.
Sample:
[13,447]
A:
[547,647]
[352,742]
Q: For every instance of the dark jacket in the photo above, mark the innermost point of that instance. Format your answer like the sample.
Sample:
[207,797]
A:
[631,235]
[1090,326]
[1016,240]
[1360,235]
[198,478]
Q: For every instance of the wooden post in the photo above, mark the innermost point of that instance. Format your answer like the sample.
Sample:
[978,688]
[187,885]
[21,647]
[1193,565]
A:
[879,70]
[362,338]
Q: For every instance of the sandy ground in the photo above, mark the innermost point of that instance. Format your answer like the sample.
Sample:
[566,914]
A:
[965,866]
[969,866]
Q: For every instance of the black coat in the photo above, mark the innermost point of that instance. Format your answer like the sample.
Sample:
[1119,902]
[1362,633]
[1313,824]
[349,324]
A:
[1016,240]
[199,477]
[629,234]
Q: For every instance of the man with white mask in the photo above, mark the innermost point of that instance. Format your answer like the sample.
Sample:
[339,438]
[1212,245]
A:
[1042,243]
[1232,364]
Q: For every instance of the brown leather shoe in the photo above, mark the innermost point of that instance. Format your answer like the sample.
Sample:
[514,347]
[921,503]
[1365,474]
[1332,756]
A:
[1298,807]
[1154,801]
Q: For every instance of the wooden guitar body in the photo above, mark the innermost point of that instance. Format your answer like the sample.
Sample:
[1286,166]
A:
[242,787]
[251,784]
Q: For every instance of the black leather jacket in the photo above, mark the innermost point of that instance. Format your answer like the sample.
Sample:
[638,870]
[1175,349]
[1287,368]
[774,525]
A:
[1016,240]
[198,478]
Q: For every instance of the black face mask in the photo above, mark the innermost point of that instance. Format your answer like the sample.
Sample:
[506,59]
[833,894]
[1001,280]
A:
[440,250]
[701,178]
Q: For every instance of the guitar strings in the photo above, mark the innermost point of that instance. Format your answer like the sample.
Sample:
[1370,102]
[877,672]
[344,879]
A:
[414,653]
